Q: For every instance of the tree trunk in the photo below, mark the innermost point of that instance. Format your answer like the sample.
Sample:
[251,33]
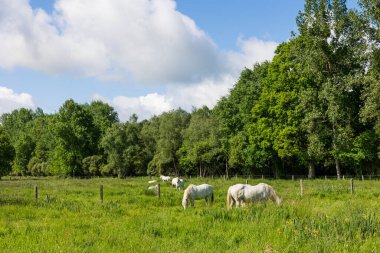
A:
[226,168]
[175,167]
[311,169]
[337,167]
[337,163]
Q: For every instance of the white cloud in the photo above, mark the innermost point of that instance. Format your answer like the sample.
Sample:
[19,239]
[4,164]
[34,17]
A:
[9,100]
[206,93]
[144,106]
[136,41]
[147,41]
[252,50]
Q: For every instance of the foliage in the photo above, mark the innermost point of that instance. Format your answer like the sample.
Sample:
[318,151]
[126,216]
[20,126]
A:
[6,153]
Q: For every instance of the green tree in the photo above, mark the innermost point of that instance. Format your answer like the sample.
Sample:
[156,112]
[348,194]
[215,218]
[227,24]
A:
[77,138]
[124,148]
[16,124]
[370,112]
[6,153]
[166,158]
[233,114]
[42,134]
[200,145]
[150,136]
[331,47]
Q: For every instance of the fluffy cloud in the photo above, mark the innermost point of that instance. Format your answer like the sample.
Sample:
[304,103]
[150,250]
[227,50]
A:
[144,106]
[9,100]
[199,94]
[252,50]
[147,41]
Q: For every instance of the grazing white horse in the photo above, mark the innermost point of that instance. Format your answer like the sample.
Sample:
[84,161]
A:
[153,188]
[165,178]
[178,183]
[193,192]
[239,194]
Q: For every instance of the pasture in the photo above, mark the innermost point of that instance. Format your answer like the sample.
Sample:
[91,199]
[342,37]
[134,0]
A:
[69,217]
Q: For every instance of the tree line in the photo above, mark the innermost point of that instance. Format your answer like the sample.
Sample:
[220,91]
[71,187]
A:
[314,109]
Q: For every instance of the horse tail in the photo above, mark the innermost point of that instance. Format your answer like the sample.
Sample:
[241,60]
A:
[229,199]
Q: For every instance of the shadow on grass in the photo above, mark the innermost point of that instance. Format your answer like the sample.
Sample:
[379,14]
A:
[14,202]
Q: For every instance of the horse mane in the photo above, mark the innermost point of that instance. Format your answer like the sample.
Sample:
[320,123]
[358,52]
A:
[273,196]
[188,191]
[229,199]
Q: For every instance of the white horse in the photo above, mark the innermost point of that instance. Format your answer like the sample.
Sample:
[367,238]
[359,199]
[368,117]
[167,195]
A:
[239,194]
[165,178]
[178,183]
[153,188]
[193,192]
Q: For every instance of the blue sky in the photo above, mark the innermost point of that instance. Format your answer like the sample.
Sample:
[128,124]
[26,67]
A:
[140,56]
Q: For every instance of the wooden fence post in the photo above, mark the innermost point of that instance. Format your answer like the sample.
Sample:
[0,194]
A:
[262,176]
[362,178]
[292,177]
[246,181]
[301,185]
[158,191]
[36,193]
[352,186]
[101,193]
[325,177]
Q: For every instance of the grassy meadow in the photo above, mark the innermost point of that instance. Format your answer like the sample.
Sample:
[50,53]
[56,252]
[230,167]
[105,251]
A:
[69,217]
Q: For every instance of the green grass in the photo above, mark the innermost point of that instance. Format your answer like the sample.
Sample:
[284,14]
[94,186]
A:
[69,217]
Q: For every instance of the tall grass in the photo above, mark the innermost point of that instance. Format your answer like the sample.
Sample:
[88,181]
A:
[69,217]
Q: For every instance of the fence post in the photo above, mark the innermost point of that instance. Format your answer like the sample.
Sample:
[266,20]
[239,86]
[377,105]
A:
[325,177]
[101,193]
[36,193]
[158,191]
[352,186]
[246,181]
[262,176]
[343,177]
[301,185]
[362,178]
[292,177]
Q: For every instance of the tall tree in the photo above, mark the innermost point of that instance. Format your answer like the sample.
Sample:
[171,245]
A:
[16,124]
[200,144]
[6,153]
[172,125]
[76,136]
[233,114]
[124,148]
[370,112]
[331,50]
